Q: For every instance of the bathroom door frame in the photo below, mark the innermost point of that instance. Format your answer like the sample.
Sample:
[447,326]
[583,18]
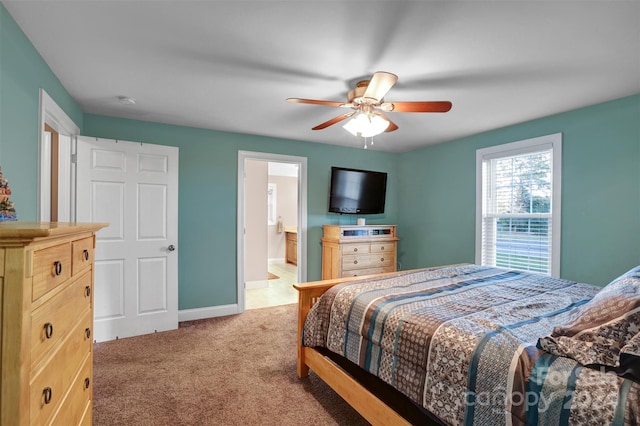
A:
[243,156]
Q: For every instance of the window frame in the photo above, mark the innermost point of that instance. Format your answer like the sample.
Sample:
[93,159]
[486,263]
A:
[527,146]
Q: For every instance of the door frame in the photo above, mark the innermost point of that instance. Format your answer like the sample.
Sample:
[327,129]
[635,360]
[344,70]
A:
[51,114]
[302,214]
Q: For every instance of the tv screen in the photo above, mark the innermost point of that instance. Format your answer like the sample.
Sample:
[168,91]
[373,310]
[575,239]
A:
[355,191]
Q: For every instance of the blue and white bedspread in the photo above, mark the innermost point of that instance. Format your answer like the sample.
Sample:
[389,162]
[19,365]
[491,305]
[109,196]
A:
[461,342]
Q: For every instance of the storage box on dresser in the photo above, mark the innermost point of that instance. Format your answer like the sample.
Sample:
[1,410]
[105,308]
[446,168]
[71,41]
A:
[46,322]
[350,251]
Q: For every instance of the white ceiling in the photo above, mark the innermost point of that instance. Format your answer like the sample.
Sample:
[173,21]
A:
[230,65]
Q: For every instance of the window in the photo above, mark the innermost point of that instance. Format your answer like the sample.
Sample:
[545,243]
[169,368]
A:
[518,205]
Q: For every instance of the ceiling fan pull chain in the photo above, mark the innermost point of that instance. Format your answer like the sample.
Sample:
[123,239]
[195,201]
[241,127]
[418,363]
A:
[365,141]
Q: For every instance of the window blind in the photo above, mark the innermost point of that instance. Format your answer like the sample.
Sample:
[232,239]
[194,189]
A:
[517,194]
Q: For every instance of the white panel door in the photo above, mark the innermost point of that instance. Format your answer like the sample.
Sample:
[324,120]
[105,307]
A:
[134,188]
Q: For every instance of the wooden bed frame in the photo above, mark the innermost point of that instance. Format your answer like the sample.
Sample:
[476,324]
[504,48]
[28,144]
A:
[372,408]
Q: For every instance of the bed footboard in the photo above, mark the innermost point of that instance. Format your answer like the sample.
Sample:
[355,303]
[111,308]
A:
[372,408]
[308,295]
[367,404]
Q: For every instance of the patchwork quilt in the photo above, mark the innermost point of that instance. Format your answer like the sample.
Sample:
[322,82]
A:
[462,342]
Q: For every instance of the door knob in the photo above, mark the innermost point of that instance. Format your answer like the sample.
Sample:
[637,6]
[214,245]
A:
[171,247]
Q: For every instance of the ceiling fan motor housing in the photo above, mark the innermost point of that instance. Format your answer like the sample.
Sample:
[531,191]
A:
[355,95]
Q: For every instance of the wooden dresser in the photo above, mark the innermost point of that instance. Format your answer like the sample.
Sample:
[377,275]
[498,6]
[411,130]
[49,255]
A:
[46,323]
[351,251]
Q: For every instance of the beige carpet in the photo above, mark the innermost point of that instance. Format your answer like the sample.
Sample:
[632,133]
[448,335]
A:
[235,370]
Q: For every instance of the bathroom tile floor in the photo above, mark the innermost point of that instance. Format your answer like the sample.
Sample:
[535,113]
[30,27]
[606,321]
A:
[279,292]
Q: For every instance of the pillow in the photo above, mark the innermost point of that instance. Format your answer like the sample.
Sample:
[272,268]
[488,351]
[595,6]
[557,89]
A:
[605,330]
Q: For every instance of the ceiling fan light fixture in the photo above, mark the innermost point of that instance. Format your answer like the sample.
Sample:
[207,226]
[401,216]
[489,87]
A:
[366,125]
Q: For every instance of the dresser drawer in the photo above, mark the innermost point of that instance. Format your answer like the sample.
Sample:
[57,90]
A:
[355,248]
[87,416]
[388,247]
[51,267]
[368,271]
[367,261]
[76,407]
[50,384]
[54,320]
[81,255]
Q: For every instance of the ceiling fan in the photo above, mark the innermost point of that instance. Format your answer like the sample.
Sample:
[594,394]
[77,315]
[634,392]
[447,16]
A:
[369,107]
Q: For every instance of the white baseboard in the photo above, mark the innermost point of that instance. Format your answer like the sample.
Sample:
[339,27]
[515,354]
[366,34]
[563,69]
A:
[276,260]
[208,312]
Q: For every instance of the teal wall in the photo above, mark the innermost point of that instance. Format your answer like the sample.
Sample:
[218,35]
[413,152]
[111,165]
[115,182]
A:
[431,193]
[600,192]
[208,202]
[22,73]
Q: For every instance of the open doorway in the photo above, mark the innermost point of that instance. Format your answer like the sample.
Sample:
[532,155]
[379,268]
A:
[271,228]
[281,223]
[56,188]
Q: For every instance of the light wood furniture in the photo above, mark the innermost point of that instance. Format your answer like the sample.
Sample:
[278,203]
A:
[351,251]
[372,408]
[46,322]
[291,243]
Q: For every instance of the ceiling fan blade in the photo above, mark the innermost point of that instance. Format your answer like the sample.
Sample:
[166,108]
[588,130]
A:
[392,126]
[435,106]
[315,102]
[333,121]
[380,84]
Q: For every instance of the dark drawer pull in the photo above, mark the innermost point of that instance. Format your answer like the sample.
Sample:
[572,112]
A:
[85,254]
[47,393]
[57,267]
[87,332]
[87,291]
[87,382]
[355,249]
[382,248]
[48,330]
[382,259]
[355,262]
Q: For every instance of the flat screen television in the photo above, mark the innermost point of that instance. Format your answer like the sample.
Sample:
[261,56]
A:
[354,191]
